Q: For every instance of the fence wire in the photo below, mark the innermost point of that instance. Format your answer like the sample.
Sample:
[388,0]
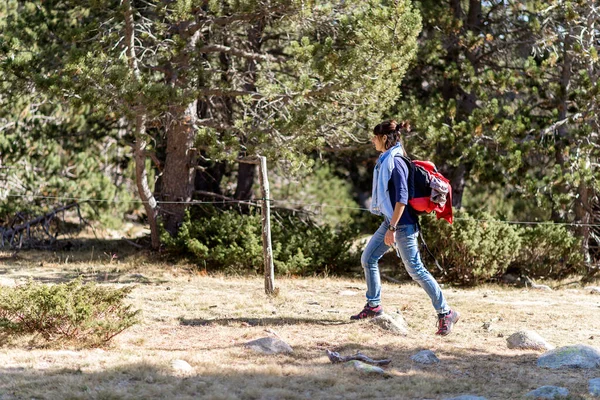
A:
[275,201]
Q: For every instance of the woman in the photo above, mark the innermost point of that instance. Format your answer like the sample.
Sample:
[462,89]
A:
[390,199]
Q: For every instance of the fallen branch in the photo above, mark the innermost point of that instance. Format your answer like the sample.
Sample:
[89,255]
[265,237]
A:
[335,358]
[131,242]
[389,278]
[16,232]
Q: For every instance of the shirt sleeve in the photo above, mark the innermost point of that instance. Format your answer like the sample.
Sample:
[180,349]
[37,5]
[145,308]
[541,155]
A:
[400,179]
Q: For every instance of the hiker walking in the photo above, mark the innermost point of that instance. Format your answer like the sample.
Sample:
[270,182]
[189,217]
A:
[399,227]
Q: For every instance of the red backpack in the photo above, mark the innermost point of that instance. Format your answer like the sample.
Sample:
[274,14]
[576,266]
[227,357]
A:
[423,180]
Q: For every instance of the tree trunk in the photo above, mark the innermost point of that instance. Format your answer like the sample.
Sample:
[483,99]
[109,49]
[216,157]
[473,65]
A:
[583,216]
[141,178]
[562,132]
[209,177]
[178,174]
[247,172]
[245,181]
[458,177]
[139,150]
[177,180]
[451,90]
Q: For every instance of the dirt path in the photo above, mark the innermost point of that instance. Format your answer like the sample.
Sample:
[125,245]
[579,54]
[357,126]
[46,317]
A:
[205,320]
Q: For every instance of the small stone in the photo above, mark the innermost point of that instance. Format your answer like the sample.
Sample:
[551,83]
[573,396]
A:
[593,289]
[366,368]
[466,397]
[548,392]
[269,345]
[529,340]
[595,387]
[487,326]
[347,293]
[576,356]
[182,366]
[425,357]
[391,322]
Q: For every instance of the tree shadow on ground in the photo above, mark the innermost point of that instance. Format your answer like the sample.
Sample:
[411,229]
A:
[300,375]
[101,261]
[97,277]
[272,321]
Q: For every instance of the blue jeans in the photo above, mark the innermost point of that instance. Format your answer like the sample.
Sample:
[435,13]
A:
[407,248]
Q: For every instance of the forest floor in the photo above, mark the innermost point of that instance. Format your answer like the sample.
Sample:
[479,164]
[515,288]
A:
[206,319]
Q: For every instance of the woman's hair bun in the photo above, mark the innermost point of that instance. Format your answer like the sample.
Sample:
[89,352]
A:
[404,125]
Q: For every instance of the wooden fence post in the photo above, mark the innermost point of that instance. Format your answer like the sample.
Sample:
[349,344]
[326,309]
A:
[266,227]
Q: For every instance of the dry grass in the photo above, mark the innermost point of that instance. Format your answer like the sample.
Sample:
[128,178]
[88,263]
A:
[205,320]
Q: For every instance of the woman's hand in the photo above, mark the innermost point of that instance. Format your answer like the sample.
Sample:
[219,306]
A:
[390,238]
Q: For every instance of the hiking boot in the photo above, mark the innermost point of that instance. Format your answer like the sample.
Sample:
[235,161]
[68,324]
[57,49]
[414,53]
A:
[446,322]
[368,312]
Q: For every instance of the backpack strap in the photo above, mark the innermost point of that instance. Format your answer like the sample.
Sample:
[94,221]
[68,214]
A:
[410,180]
[437,264]
[411,184]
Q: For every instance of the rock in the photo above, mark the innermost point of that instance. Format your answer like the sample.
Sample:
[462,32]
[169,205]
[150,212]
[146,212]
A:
[576,356]
[544,288]
[595,387]
[366,368]
[182,367]
[487,326]
[548,392]
[425,357]
[593,289]
[466,397]
[391,322]
[527,340]
[269,345]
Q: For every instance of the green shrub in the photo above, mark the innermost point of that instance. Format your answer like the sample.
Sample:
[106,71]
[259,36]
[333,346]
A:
[320,192]
[232,242]
[549,251]
[76,312]
[473,249]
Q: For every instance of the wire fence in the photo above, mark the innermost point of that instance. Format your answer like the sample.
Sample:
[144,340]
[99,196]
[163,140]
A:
[281,202]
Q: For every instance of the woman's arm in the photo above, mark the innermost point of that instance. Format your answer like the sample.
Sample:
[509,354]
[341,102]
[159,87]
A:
[390,236]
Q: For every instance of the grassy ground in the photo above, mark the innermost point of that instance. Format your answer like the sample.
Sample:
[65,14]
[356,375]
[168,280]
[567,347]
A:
[205,320]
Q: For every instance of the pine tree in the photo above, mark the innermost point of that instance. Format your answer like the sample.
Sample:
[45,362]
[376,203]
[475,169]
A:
[219,80]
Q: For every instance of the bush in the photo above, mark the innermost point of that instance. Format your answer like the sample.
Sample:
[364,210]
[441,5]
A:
[320,192]
[78,312]
[550,251]
[230,241]
[471,250]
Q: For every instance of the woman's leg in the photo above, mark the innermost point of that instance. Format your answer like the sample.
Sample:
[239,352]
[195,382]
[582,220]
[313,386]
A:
[408,250]
[374,250]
